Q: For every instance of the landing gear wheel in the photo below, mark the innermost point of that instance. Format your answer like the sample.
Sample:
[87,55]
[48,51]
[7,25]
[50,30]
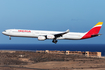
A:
[9,37]
[55,41]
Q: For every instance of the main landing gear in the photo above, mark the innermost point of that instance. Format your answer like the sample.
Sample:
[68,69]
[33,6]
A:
[9,37]
[54,41]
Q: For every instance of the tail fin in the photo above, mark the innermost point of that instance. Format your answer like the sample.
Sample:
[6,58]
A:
[94,31]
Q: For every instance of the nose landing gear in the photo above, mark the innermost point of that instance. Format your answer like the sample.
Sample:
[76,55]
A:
[9,37]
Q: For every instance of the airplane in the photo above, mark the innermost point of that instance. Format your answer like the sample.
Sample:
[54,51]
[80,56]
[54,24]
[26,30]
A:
[54,35]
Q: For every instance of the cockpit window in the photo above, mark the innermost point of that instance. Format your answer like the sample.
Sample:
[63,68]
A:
[4,30]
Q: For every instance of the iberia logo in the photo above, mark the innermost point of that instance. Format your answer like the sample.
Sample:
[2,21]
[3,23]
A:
[24,31]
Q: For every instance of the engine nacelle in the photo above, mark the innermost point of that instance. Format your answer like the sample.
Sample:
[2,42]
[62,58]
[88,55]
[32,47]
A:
[41,37]
[50,36]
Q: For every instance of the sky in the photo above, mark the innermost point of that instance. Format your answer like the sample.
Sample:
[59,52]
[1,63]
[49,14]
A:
[51,15]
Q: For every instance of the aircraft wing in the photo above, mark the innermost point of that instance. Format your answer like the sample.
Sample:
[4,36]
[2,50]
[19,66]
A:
[60,34]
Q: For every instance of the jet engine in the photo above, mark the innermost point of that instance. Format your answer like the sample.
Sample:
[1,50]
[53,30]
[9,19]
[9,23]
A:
[50,36]
[41,37]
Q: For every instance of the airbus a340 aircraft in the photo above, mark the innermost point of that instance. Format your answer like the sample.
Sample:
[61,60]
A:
[54,35]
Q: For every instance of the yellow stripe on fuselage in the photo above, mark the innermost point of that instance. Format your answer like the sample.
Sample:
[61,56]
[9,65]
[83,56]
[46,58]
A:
[99,24]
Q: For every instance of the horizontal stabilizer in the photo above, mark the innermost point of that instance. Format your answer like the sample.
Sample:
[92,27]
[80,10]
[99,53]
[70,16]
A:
[96,35]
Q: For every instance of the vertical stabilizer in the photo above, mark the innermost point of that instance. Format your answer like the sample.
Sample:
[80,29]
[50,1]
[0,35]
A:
[94,31]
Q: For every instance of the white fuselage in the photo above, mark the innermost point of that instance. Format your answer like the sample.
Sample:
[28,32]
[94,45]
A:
[54,35]
[36,33]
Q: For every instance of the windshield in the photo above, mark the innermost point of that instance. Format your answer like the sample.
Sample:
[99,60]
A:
[4,30]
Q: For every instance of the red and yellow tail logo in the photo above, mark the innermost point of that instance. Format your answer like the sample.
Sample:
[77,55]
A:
[94,31]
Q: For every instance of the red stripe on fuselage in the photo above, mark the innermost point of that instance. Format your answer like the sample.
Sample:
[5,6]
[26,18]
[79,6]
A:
[93,31]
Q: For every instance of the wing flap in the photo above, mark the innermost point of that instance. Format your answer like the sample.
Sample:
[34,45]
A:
[60,34]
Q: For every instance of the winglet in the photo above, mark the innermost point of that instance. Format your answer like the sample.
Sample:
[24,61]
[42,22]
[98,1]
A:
[67,31]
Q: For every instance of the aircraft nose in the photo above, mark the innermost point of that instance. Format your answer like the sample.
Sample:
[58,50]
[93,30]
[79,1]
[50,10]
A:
[3,32]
